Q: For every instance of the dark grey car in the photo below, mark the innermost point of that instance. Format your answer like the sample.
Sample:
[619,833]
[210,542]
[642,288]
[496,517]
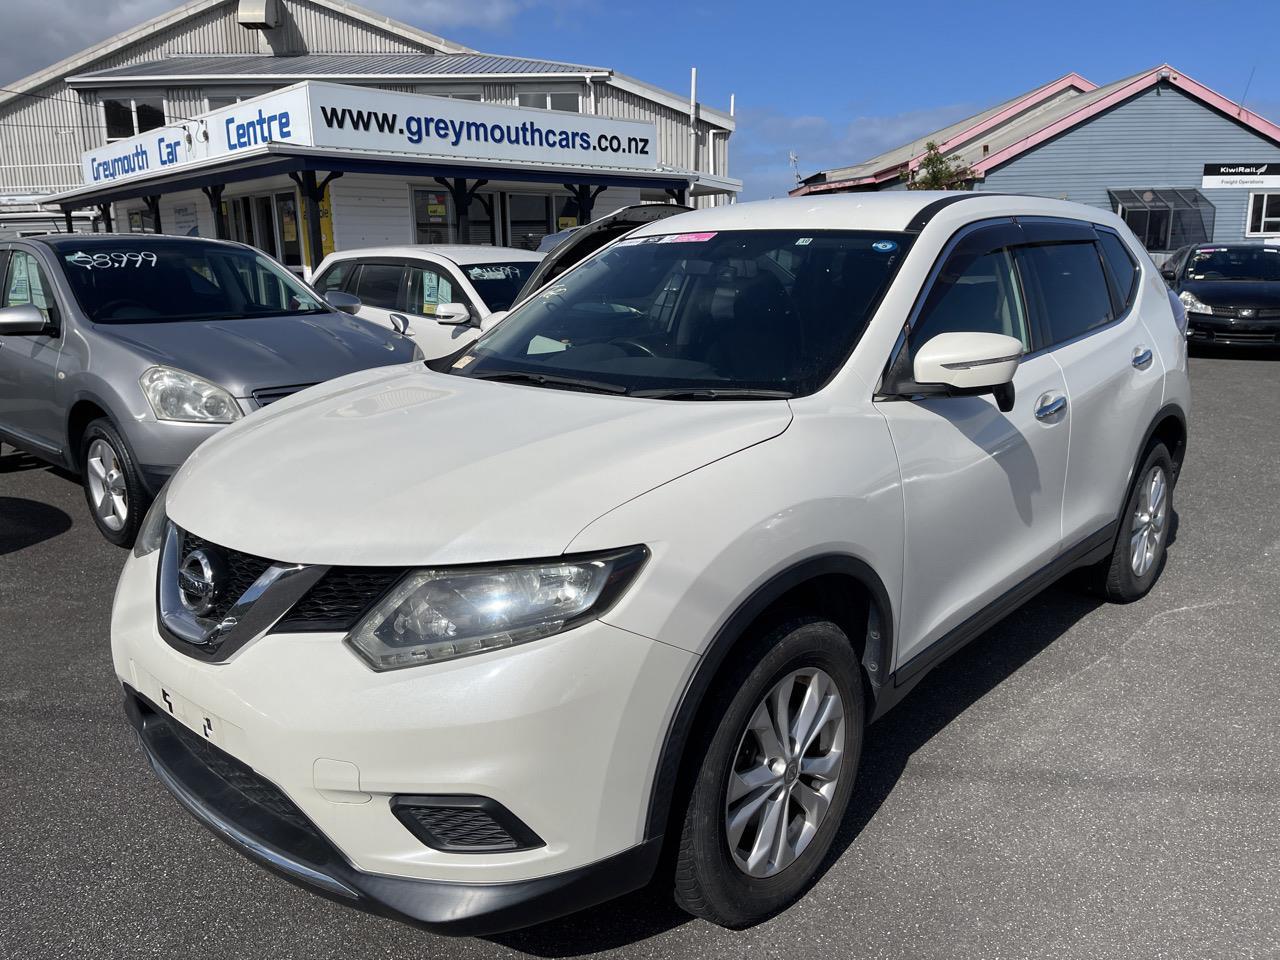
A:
[119,354]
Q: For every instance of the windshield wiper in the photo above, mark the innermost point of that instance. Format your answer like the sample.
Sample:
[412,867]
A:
[551,380]
[714,393]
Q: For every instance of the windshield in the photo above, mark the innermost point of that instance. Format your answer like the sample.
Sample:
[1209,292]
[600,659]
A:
[152,281]
[1234,263]
[499,283]
[698,315]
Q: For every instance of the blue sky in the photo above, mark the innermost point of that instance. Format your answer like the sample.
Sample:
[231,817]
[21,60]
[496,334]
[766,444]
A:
[842,84]
[834,83]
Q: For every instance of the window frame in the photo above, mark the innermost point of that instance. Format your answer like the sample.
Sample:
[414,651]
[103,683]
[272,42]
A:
[132,99]
[54,318]
[1248,215]
[897,378]
[1121,304]
[353,282]
[461,295]
[546,93]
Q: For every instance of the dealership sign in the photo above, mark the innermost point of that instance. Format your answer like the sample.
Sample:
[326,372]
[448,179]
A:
[1246,175]
[313,114]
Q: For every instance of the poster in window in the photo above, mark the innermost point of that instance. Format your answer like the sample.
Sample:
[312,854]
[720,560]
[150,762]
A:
[186,223]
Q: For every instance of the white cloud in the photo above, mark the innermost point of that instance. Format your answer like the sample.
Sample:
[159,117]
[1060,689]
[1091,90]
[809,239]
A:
[765,136]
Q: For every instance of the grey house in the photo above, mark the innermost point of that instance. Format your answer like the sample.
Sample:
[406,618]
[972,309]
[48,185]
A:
[1181,163]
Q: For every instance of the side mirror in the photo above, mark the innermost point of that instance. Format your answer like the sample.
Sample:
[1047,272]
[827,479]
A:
[452,314]
[401,323]
[24,319]
[345,302]
[971,364]
[492,320]
[1170,276]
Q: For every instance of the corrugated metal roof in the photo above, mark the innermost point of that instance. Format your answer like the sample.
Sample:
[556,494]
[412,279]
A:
[325,66]
[909,151]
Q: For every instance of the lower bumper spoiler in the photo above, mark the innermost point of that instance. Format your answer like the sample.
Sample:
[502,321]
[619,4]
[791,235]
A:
[257,819]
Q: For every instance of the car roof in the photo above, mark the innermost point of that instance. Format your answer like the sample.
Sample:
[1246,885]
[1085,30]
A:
[1233,244]
[59,240]
[889,210]
[459,253]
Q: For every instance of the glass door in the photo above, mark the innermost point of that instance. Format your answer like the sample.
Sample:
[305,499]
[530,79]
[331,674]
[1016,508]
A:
[265,225]
[290,230]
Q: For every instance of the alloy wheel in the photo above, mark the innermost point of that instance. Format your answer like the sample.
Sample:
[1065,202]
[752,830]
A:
[785,772]
[107,487]
[1149,518]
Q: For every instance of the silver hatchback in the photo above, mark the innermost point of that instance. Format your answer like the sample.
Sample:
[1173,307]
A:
[119,354]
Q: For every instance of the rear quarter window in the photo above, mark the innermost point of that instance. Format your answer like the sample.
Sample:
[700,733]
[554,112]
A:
[1124,271]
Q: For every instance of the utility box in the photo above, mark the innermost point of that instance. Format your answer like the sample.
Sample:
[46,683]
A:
[258,14]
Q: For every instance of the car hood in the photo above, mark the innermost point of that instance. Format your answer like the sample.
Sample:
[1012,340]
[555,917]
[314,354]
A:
[411,467]
[246,355]
[1261,294]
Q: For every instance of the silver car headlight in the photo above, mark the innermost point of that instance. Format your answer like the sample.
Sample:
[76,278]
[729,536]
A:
[441,614]
[177,395]
[1193,303]
[151,532]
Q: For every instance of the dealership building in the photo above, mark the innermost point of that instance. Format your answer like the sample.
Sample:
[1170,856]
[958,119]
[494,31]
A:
[1179,162]
[304,126]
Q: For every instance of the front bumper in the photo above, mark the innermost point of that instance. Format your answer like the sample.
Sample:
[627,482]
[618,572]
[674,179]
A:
[257,819]
[1202,328]
[564,733]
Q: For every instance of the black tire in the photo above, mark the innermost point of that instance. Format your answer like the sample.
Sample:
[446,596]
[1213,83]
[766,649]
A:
[708,881]
[102,431]
[1116,578]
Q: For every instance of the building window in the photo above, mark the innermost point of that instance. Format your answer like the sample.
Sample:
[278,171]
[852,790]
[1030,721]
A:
[436,222]
[1165,219]
[1264,214]
[530,219]
[570,102]
[129,116]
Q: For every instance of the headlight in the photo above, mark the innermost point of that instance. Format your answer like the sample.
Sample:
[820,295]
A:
[1193,303]
[178,395]
[151,533]
[435,615]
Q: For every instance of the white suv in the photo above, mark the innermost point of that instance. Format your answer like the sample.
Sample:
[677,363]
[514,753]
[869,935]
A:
[470,643]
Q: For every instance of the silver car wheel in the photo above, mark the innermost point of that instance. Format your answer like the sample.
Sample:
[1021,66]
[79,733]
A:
[1147,532]
[107,488]
[785,772]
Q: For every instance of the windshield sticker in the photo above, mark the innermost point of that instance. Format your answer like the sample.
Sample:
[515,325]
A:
[687,237]
[494,271]
[637,241]
[884,246]
[113,259]
[463,361]
[804,241]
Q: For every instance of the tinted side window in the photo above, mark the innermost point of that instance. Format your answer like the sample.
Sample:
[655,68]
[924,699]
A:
[1123,270]
[973,294]
[335,278]
[378,285]
[428,288]
[26,283]
[1072,293]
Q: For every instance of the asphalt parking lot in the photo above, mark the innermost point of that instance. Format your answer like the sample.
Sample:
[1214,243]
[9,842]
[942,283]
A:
[1083,781]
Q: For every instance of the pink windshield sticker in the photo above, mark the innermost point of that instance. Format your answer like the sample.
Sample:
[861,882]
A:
[687,237]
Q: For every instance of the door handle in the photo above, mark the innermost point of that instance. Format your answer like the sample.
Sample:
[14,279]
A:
[1049,406]
[1141,358]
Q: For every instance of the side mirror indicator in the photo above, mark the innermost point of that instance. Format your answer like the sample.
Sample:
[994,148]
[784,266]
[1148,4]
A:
[970,364]
[452,314]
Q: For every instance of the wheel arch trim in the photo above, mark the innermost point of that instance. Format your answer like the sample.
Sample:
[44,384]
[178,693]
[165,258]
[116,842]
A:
[876,661]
